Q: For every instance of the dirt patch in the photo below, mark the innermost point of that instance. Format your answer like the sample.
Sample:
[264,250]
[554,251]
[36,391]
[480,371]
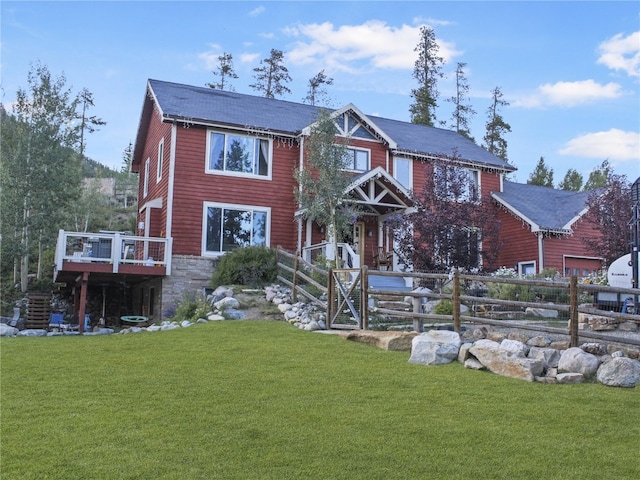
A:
[256,307]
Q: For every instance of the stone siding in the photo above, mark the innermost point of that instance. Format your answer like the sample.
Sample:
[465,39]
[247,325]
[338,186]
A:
[188,274]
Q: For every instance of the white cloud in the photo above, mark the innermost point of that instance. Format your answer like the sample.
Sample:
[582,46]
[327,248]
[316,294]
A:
[249,57]
[569,94]
[257,11]
[352,48]
[210,57]
[616,145]
[622,53]
[434,22]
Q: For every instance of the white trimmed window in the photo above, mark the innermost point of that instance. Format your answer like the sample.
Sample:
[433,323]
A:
[526,268]
[403,171]
[233,154]
[160,159]
[227,227]
[456,183]
[358,159]
[145,185]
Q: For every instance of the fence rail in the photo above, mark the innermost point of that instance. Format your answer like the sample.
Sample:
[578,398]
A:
[475,299]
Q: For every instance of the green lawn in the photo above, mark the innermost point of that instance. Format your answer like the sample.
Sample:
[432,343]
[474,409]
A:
[262,400]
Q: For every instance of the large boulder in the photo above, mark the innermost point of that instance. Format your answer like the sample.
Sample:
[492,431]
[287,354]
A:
[550,356]
[505,362]
[515,346]
[227,303]
[396,341]
[7,330]
[32,332]
[576,360]
[619,372]
[435,347]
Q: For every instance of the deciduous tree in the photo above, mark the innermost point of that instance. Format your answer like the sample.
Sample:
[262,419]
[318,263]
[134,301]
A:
[323,182]
[452,225]
[598,176]
[88,123]
[610,209]
[41,169]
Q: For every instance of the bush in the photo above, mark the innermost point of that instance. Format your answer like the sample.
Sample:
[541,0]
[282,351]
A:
[444,307]
[251,266]
[192,307]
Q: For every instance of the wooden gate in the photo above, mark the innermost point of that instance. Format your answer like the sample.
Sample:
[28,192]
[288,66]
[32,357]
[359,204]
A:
[347,299]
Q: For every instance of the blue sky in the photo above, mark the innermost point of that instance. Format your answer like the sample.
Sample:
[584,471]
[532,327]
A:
[569,70]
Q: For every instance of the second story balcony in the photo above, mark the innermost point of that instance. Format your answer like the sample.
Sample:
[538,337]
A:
[111,253]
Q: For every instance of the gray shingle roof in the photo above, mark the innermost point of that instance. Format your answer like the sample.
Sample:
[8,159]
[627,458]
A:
[206,105]
[546,208]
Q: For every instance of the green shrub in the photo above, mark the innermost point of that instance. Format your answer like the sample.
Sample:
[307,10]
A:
[251,266]
[192,307]
[444,307]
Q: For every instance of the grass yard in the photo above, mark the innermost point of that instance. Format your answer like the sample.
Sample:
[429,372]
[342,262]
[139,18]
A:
[262,400]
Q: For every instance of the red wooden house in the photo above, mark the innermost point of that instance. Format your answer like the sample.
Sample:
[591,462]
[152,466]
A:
[216,173]
[543,228]
[194,190]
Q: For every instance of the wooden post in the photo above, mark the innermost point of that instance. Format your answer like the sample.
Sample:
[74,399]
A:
[573,311]
[364,296]
[330,297]
[456,300]
[418,323]
[83,301]
[296,265]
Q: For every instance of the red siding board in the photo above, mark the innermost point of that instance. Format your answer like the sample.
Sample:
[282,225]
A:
[193,187]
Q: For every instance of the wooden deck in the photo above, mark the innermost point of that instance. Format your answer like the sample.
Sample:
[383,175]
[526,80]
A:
[111,254]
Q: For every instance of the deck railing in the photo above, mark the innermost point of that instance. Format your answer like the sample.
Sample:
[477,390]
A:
[349,258]
[114,248]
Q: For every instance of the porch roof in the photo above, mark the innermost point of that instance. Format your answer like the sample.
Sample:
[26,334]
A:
[377,192]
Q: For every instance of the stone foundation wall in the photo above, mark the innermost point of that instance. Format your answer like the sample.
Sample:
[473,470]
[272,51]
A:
[188,274]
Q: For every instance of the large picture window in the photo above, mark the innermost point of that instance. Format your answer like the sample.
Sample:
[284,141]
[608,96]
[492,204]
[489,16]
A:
[227,227]
[238,154]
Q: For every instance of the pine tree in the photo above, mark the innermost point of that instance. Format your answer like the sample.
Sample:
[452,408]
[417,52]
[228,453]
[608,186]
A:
[316,91]
[462,110]
[224,73]
[272,75]
[572,181]
[496,127]
[427,71]
[541,175]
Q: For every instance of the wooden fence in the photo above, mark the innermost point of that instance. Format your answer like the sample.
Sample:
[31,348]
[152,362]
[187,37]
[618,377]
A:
[475,299]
